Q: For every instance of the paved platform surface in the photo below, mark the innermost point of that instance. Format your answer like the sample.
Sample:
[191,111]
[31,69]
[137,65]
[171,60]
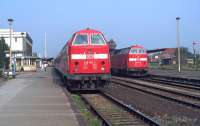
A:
[34,99]
[175,73]
[1,81]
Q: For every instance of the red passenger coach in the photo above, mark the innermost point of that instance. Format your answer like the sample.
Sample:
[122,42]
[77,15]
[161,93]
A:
[84,62]
[132,60]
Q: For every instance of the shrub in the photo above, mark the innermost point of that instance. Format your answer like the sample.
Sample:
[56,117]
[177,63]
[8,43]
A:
[1,72]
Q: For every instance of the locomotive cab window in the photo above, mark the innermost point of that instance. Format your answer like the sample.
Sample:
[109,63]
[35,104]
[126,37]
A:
[142,51]
[97,39]
[137,51]
[81,40]
[133,51]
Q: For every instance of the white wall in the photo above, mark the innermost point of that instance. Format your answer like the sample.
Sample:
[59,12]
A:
[15,45]
[19,41]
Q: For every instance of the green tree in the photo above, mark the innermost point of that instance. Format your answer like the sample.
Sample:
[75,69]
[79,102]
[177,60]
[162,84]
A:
[3,48]
[112,45]
[197,61]
[185,54]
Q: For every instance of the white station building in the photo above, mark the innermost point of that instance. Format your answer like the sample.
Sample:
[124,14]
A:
[21,47]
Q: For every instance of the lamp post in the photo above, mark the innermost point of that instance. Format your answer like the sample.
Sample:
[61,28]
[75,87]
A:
[45,45]
[24,46]
[10,20]
[24,51]
[178,44]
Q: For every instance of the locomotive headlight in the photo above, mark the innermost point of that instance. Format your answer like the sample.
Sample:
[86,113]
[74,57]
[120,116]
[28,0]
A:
[103,65]
[76,66]
[102,68]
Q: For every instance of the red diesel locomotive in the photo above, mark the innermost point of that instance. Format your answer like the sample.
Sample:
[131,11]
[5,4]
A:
[84,62]
[132,61]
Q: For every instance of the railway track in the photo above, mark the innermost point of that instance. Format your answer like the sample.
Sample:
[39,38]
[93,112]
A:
[182,80]
[113,112]
[172,83]
[183,97]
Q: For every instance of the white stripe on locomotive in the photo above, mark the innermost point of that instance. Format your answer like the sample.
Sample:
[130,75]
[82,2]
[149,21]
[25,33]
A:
[84,56]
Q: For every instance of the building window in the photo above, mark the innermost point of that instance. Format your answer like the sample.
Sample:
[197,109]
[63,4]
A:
[15,39]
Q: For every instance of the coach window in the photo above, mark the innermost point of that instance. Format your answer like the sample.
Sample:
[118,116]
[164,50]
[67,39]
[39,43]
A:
[81,40]
[97,40]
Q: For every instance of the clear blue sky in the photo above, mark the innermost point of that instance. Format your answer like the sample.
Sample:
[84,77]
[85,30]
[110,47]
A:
[150,23]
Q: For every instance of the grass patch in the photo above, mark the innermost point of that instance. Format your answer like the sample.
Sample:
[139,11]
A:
[186,67]
[9,77]
[88,116]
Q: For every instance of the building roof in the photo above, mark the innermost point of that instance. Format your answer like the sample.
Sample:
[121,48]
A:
[156,50]
[170,50]
[168,53]
[5,33]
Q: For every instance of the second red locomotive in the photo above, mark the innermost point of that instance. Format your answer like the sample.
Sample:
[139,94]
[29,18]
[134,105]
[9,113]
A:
[84,62]
[132,60]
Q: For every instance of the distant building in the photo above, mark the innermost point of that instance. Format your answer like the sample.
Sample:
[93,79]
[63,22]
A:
[21,47]
[21,43]
[163,56]
[168,56]
[154,55]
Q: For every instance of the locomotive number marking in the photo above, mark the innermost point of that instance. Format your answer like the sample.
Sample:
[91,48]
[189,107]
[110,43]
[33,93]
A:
[90,56]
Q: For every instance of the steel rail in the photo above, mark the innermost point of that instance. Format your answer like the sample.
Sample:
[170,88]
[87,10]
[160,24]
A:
[182,80]
[159,88]
[124,107]
[170,83]
[131,85]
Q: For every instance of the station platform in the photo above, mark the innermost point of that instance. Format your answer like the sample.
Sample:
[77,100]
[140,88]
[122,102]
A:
[175,73]
[34,99]
[1,81]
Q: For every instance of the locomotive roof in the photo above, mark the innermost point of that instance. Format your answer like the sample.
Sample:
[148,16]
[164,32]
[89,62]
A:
[88,31]
[133,46]
[136,46]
